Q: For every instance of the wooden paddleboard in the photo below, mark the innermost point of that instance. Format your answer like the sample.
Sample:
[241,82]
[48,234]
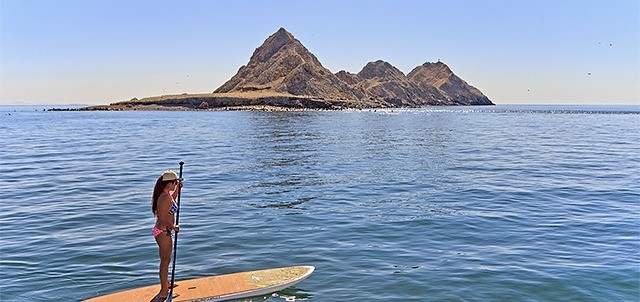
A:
[219,288]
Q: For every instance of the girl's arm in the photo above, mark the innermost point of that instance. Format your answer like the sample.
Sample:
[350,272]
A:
[177,189]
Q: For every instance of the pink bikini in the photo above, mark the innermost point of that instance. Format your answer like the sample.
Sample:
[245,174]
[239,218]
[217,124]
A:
[174,208]
[156,231]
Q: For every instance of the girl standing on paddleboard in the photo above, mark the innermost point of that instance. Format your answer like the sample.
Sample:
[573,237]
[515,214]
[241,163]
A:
[164,207]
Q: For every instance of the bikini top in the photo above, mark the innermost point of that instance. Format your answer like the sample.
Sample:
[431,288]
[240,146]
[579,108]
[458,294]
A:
[174,205]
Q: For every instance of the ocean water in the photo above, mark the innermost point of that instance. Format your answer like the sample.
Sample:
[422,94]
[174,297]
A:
[501,203]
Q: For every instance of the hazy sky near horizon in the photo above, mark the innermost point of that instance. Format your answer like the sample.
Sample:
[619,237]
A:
[515,52]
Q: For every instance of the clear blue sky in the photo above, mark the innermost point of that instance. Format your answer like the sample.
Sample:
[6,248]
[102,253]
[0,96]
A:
[516,52]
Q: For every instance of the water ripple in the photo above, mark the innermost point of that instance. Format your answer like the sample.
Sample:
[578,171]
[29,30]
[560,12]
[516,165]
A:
[430,204]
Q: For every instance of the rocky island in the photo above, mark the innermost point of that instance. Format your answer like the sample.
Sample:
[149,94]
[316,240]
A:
[283,74]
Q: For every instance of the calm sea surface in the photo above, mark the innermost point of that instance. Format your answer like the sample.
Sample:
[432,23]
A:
[503,203]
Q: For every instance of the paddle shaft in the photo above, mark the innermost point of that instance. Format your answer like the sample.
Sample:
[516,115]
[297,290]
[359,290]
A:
[175,242]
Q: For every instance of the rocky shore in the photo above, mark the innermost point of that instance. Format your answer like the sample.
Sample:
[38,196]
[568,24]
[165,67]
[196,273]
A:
[225,101]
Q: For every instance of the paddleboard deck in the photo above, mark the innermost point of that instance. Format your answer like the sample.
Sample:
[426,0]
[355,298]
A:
[219,288]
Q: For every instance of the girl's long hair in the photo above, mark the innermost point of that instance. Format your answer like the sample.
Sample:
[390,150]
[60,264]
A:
[157,190]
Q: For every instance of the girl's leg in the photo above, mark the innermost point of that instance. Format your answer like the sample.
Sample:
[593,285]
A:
[165,244]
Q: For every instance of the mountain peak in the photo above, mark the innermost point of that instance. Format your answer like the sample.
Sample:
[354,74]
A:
[282,64]
[455,89]
[438,66]
[380,69]
[281,36]
[279,55]
[431,72]
[282,31]
[277,41]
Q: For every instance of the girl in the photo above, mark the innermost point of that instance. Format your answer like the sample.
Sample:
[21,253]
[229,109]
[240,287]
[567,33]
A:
[164,207]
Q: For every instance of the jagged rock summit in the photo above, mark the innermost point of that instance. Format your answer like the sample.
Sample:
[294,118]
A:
[382,81]
[454,89]
[283,65]
[282,73]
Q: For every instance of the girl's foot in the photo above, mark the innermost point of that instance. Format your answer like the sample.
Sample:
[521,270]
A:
[162,298]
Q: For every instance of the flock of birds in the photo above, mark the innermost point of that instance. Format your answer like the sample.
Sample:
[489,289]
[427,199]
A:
[588,73]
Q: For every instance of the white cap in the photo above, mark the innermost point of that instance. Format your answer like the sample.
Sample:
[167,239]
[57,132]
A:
[169,175]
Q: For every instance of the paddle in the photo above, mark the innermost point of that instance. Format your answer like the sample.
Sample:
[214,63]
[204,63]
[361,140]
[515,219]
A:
[175,242]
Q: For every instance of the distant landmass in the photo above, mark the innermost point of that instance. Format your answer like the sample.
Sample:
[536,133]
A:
[282,73]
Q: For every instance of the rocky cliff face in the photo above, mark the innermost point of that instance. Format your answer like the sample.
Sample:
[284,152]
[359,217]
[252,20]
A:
[380,80]
[283,65]
[453,88]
